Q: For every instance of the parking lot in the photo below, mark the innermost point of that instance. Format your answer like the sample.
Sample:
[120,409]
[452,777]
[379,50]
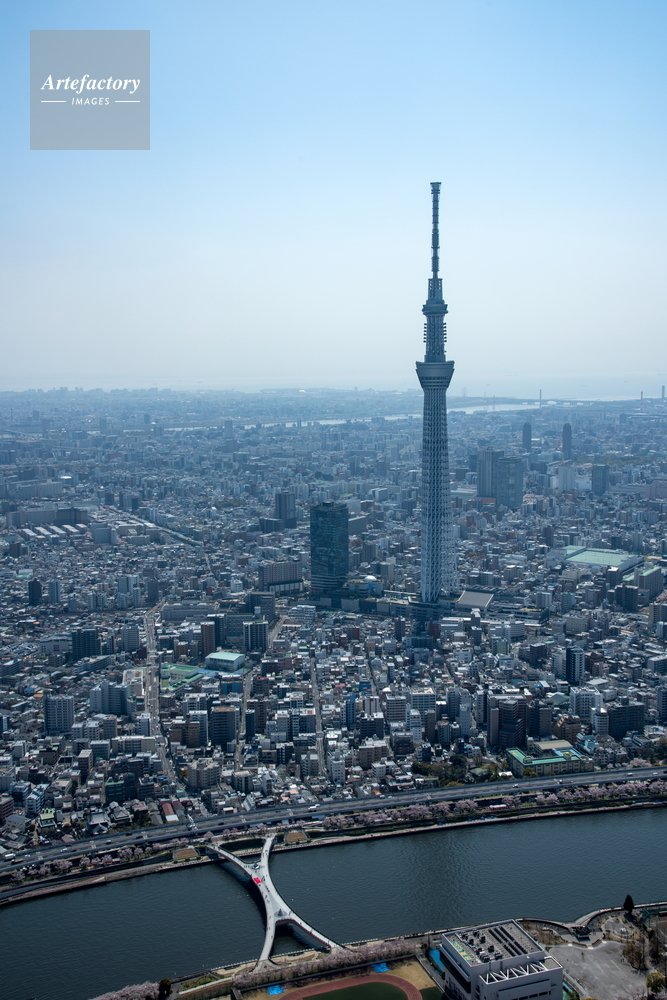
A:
[600,970]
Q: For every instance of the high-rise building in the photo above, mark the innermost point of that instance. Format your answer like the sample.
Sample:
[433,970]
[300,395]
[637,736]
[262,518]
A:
[282,577]
[527,437]
[661,702]
[207,637]
[220,631]
[131,638]
[423,699]
[58,714]
[438,555]
[350,712]
[54,592]
[85,642]
[567,441]
[261,603]
[626,717]
[465,715]
[34,592]
[250,726]
[223,725]
[285,508]
[256,635]
[336,767]
[600,479]
[574,665]
[509,482]
[487,471]
[539,719]
[395,706]
[512,723]
[329,546]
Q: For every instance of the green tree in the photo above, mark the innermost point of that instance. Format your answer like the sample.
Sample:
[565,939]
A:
[164,988]
[634,954]
[655,982]
[654,947]
[628,905]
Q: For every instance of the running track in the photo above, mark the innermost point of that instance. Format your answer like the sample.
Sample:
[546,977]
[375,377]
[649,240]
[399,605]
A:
[411,991]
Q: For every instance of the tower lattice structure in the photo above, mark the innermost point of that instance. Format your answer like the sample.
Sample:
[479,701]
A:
[438,555]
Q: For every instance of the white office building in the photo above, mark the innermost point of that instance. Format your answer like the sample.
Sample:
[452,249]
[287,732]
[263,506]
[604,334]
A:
[423,699]
[583,700]
[414,724]
[498,962]
[336,768]
[465,715]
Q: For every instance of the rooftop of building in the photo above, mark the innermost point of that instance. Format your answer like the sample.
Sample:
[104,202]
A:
[226,660]
[474,599]
[505,939]
[554,754]
[600,557]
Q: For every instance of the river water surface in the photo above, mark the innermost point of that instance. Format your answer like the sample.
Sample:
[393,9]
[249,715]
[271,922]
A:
[76,946]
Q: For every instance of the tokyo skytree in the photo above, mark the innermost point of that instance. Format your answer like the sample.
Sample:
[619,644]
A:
[438,555]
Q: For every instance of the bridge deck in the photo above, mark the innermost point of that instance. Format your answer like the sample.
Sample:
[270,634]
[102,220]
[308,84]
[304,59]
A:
[277,911]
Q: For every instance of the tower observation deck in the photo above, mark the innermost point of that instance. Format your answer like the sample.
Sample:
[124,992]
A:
[438,556]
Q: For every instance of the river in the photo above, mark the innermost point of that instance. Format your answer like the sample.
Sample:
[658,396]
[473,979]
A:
[76,946]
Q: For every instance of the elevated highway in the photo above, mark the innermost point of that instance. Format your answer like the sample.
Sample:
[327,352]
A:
[298,812]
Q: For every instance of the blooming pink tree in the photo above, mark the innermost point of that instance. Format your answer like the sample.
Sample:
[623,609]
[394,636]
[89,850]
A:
[144,991]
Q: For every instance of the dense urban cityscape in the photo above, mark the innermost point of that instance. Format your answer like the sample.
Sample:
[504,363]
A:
[229,617]
[333,501]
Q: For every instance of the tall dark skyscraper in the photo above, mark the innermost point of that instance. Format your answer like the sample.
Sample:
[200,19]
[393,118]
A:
[34,592]
[85,642]
[329,546]
[438,556]
[567,440]
[487,471]
[574,664]
[527,437]
[285,508]
[509,482]
[600,479]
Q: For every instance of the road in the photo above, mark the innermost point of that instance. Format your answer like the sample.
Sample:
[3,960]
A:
[152,693]
[219,824]
[319,736]
[240,740]
[247,689]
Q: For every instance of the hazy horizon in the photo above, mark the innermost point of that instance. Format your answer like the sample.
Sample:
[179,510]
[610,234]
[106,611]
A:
[520,389]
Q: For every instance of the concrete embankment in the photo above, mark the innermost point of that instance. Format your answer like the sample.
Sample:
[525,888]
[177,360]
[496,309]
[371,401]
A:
[89,880]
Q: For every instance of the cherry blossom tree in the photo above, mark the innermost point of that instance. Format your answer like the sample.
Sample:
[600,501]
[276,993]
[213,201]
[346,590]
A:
[144,991]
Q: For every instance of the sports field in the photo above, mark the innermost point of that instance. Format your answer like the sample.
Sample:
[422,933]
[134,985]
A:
[376,986]
[405,980]
[365,991]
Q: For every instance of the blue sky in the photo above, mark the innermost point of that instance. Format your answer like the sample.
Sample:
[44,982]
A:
[277,232]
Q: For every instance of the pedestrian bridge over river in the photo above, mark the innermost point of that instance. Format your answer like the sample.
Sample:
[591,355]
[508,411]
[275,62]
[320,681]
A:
[277,911]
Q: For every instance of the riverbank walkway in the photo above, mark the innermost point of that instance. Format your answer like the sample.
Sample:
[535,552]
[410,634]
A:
[277,911]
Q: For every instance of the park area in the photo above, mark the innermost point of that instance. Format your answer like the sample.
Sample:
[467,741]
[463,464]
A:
[405,981]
